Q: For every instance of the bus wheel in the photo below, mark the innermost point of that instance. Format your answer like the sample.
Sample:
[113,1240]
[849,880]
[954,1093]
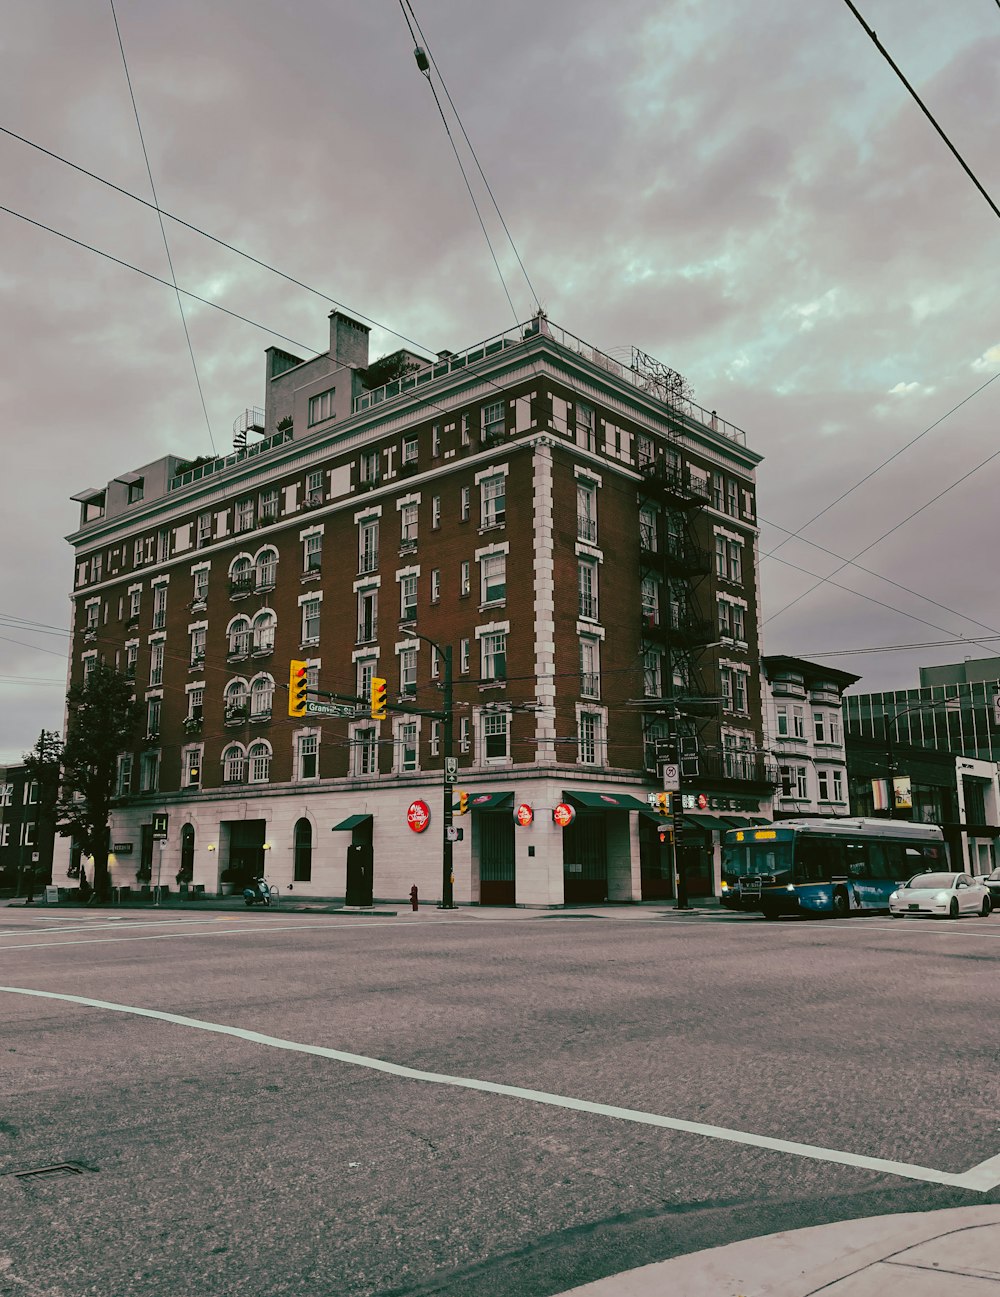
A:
[770,913]
[841,909]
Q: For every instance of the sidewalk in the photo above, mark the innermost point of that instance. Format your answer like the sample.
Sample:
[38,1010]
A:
[952,1253]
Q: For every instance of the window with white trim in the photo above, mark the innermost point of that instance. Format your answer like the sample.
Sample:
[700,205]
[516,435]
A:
[154,707]
[585,426]
[435,740]
[408,597]
[131,659]
[236,700]
[463,734]
[494,655]
[408,518]
[435,585]
[368,470]
[838,786]
[233,764]
[265,625]
[321,406]
[365,749]
[312,552]
[493,578]
[411,450]
[466,428]
[314,487]
[587,586]
[798,723]
[589,739]
[192,767]
[368,546]
[243,515]
[123,785]
[261,698]
[435,440]
[493,499]
[819,727]
[240,637]
[365,671]
[823,784]
[493,421]
[204,532]
[135,602]
[496,736]
[156,650]
[266,569]
[464,656]
[466,504]
[590,667]
[649,594]
[240,576]
[406,747]
[652,673]
[781,713]
[367,616]
[464,578]
[308,754]
[159,607]
[196,703]
[586,512]
[435,512]
[310,621]
[199,592]
[259,762]
[408,671]
[149,772]
[198,638]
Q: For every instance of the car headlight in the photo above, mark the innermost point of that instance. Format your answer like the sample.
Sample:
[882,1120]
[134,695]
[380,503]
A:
[893,896]
[790,887]
[941,896]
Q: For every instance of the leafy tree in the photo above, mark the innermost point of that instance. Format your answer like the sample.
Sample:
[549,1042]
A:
[103,716]
[43,764]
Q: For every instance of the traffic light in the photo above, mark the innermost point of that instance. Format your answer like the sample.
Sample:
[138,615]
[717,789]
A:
[378,700]
[663,832]
[297,688]
[663,803]
[463,801]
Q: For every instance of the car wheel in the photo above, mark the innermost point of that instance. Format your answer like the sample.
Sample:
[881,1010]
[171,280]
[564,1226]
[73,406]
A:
[953,908]
[894,915]
[841,909]
[987,907]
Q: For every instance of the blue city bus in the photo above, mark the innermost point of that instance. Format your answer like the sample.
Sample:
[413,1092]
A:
[825,867]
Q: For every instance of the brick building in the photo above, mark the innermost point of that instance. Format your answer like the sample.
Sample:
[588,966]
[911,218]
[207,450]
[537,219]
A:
[579,534]
[25,836]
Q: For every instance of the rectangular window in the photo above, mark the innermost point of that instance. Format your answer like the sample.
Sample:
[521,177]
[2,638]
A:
[268,506]
[590,669]
[464,578]
[124,786]
[408,524]
[321,406]
[368,546]
[159,607]
[408,671]
[435,662]
[798,723]
[838,786]
[819,728]
[435,440]
[725,627]
[652,674]
[466,428]
[406,747]
[408,598]
[314,488]
[435,512]
[495,656]
[588,738]
[464,657]
[493,575]
[649,594]
[365,751]
[740,691]
[192,768]
[643,450]
[308,756]
[411,450]
[496,736]
[366,669]
[149,772]
[204,528]
[834,729]
[823,782]
[466,503]
[732,499]
[198,638]
[156,663]
[586,512]
[435,743]
[782,715]
[153,706]
[801,787]
[463,734]
[435,585]
[726,687]
[647,530]
[196,704]
[135,603]
[93,611]
[587,586]
[493,422]
[312,552]
[738,625]
[367,616]
[736,562]
[717,491]
[310,621]
[493,492]
[721,558]
[585,426]
[243,518]
[131,660]
[200,583]
[368,470]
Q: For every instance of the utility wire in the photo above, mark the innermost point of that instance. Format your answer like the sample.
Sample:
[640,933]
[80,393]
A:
[878,468]
[475,158]
[425,70]
[923,108]
[156,278]
[878,540]
[893,648]
[163,232]
[879,577]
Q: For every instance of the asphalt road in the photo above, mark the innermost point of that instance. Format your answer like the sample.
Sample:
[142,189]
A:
[208,1162]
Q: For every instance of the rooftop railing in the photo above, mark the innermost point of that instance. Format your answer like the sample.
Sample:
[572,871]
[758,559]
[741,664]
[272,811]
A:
[220,464]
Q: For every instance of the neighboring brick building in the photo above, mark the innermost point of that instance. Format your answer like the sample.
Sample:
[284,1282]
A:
[579,533]
[25,839]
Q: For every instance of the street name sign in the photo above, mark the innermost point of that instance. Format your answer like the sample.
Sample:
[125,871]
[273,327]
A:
[331,709]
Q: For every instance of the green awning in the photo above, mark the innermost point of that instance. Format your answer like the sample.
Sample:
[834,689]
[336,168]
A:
[709,822]
[736,821]
[606,801]
[351,822]
[491,801]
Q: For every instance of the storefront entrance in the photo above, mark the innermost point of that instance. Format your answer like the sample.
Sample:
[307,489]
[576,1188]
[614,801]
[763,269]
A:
[585,859]
[655,861]
[496,857]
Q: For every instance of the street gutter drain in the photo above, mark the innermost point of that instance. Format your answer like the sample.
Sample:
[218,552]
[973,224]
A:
[48,1172]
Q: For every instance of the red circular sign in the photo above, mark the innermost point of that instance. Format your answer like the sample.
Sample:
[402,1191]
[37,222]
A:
[702,801]
[418,816]
[524,815]
[564,815]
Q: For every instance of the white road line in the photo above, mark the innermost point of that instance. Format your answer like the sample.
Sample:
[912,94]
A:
[980,1178]
[117,925]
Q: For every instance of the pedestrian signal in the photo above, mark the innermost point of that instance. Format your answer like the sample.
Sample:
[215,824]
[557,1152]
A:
[298,687]
[378,698]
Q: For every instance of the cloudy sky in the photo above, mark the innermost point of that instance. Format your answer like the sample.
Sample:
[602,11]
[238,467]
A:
[746,192]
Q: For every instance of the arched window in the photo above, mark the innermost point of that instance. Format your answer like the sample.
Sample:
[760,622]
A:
[303,852]
[259,758]
[266,568]
[236,700]
[264,625]
[241,575]
[261,696]
[186,871]
[233,764]
[239,637]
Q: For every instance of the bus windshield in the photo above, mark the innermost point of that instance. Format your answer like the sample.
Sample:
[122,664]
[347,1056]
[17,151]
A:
[750,859]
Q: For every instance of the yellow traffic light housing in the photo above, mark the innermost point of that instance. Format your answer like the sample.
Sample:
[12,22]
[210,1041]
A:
[378,698]
[663,803]
[463,802]
[298,687]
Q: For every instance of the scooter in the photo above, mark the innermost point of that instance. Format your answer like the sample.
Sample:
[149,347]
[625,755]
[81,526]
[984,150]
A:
[260,893]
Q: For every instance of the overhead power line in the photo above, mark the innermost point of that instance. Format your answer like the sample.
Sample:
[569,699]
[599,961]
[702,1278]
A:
[163,232]
[923,108]
[893,648]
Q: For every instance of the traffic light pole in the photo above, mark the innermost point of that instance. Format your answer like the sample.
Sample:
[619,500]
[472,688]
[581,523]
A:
[447,846]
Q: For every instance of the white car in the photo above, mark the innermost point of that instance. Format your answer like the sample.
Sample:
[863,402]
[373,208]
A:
[946,895]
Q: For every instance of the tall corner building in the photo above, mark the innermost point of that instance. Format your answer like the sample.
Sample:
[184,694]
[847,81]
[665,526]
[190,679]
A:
[574,530]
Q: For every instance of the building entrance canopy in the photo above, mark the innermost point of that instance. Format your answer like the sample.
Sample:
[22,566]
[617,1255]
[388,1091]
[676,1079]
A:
[351,822]
[491,802]
[606,801]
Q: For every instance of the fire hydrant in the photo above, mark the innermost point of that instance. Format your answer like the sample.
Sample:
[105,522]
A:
[414,899]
